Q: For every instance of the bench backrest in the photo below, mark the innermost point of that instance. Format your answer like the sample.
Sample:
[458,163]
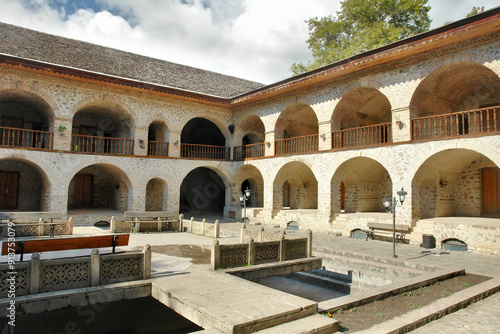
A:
[60,244]
[149,214]
[30,216]
[383,226]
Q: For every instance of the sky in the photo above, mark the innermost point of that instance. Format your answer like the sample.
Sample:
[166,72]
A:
[252,39]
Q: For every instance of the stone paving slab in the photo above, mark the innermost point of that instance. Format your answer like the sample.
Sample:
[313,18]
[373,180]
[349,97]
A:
[213,299]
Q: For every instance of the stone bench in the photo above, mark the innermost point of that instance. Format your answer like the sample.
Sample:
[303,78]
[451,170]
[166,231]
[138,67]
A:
[386,230]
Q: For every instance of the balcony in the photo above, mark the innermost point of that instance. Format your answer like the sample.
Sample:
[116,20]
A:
[207,152]
[102,145]
[158,149]
[471,122]
[296,145]
[14,137]
[249,151]
[364,136]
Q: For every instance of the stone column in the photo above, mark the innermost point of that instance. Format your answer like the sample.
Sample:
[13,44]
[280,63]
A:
[147,261]
[95,267]
[174,146]
[309,243]
[141,141]
[282,247]
[70,225]
[217,229]
[112,225]
[242,233]
[62,133]
[251,252]
[181,223]
[269,144]
[325,135]
[215,255]
[35,273]
[260,237]
[401,125]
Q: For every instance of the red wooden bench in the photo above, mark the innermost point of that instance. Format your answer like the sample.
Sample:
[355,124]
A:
[61,244]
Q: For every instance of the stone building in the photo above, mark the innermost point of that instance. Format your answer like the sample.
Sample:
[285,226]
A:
[85,128]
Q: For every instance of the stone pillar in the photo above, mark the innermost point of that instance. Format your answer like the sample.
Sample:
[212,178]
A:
[215,255]
[217,229]
[112,224]
[137,226]
[35,273]
[242,233]
[70,225]
[325,135]
[401,125]
[41,227]
[251,252]
[62,134]
[141,141]
[282,247]
[174,146]
[203,221]
[181,223]
[309,243]
[95,268]
[191,225]
[269,144]
[261,232]
[147,261]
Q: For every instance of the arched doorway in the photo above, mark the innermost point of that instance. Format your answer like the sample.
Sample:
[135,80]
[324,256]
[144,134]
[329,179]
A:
[302,185]
[251,133]
[23,186]
[158,137]
[202,193]
[99,186]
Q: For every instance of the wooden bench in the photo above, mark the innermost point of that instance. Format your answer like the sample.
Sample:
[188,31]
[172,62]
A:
[386,230]
[61,244]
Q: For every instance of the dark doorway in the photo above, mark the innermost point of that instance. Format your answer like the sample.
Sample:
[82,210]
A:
[203,132]
[202,192]
[9,185]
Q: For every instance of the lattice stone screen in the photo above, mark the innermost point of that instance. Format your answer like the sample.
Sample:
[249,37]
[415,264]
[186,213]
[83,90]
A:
[69,273]
[22,278]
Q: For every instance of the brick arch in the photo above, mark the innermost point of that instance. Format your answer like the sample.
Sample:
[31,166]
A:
[107,99]
[53,108]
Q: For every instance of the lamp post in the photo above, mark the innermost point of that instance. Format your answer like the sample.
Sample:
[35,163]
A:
[243,199]
[387,202]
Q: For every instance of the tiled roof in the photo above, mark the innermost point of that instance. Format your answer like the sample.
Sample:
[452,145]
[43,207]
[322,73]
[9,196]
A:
[34,45]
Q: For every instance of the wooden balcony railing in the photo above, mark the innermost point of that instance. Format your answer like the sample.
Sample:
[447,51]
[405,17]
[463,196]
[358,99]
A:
[471,122]
[102,145]
[158,149]
[363,136]
[303,144]
[14,137]
[208,152]
[249,151]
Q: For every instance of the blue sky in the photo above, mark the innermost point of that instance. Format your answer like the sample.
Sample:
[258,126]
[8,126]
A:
[252,39]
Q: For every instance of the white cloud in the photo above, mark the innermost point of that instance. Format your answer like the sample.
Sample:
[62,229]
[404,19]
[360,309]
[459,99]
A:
[252,39]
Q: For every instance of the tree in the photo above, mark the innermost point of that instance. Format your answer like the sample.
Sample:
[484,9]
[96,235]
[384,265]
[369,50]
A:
[475,10]
[362,25]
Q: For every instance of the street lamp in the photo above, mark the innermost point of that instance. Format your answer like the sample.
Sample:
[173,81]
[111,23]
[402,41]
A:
[387,202]
[243,199]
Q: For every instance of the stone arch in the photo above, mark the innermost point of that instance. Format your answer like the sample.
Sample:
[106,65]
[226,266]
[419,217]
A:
[297,119]
[156,195]
[36,91]
[250,124]
[108,100]
[453,85]
[303,186]
[29,182]
[255,180]
[449,183]
[35,107]
[99,185]
[361,105]
[220,124]
[365,182]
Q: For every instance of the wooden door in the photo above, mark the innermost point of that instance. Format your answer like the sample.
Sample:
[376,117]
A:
[82,193]
[491,191]
[342,196]
[9,185]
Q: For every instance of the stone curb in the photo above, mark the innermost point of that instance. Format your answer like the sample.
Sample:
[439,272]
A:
[436,310]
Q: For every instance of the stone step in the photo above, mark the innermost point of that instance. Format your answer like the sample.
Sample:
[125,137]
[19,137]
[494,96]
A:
[362,280]
[373,258]
[368,267]
[317,324]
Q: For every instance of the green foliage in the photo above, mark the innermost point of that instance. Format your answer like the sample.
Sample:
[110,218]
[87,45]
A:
[475,10]
[415,305]
[362,25]
[380,314]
